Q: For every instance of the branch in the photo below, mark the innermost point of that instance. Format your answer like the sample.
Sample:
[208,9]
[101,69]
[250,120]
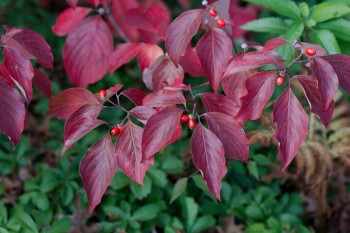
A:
[114,24]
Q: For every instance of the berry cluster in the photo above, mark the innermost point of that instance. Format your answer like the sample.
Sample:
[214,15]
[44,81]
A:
[212,12]
[188,118]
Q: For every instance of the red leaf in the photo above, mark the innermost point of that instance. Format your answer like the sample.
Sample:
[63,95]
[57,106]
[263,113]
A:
[318,49]
[176,136]
[129,155]
[214,50]
[142,113]
[191,63]
[148,54]
[20,69]
[72,3]
[231,135]
[163,98]
[159,130]
[123,54]
[166,74]
[273,44]
[214,102]
[69,19]
[97,169]
[260,88]
[135,95]
[341,65]
[42,82]
[31,44]
[113,90]
[85,55]
[65,103]
[78,125]
[12,111]
[313,95]
[209,157]
[327,80]
[95,3]
[234,84]
[292,124]
[180,33]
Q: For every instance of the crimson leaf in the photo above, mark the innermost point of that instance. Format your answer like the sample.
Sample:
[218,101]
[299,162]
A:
[273,44]
[313,95]
[163,98]
[231,135]
[72,3]
[234,85]
[327,80]
[148,54]
[42,82]
[159,130]
[214,50]
[129,155]
[214,102]
[122,54]
[97,169]
[260,87]
[191,63]
[135,95]
[292,124]
[85,55]
[209,157]
[142,113]
[180,33]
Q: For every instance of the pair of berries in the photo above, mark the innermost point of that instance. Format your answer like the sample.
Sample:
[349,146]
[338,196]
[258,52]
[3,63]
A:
[221,23]
[116,130]
[188,118]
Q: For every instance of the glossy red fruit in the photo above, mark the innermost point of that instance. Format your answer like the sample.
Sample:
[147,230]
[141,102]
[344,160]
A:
[115,131]
[310,51]
[213,12]
[221,23]
[184,118]
[191,124]
[103,93]
[279,80]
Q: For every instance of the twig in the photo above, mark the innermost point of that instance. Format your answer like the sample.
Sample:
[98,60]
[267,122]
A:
[114,23]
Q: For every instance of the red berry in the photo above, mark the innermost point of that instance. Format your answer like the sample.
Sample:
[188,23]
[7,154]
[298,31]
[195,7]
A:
[280,80]
[115,131]
[103,93]
[213,12]
[221,23]
[191,124]
[184,118]
[310,51]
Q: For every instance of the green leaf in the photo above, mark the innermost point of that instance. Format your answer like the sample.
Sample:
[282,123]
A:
[203,223]
[173,165]
[199,182]
[179,188]
[255,212]
[190,209]
[327,40]
[3,230]
[139,191]
[329,10]
[158,177]
[146,213]
[339,27]
[26,222]
[61,226]
[294,32]
[271,24]
[41,201]
[304,9]
[169,230]
[286,7]
[253,169]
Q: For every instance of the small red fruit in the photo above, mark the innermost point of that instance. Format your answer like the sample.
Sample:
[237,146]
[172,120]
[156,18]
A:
[115,131]
[213,12]
[184,118]
[221,23]
[310,52]
[280,80]
[191,124]
[103,93]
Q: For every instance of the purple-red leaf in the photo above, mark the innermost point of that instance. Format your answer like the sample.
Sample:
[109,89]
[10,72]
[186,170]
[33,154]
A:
[123,54]
[85,55]
[135,95]
[142,113]
[180,33]
[129,154]
[234,84]
[159,130]
[97,169]
[42,82]
[79,124]
[191,63]
[72,3]
[65,103]
[260,87]
[313,95]
[214,102]
[341,65]
[12,111]
[327,80]
[273,44]
[318,49]
[148,54]
[69,19]
[209,157]
[231,135]
[164,98]
[214,51]
[292,124]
